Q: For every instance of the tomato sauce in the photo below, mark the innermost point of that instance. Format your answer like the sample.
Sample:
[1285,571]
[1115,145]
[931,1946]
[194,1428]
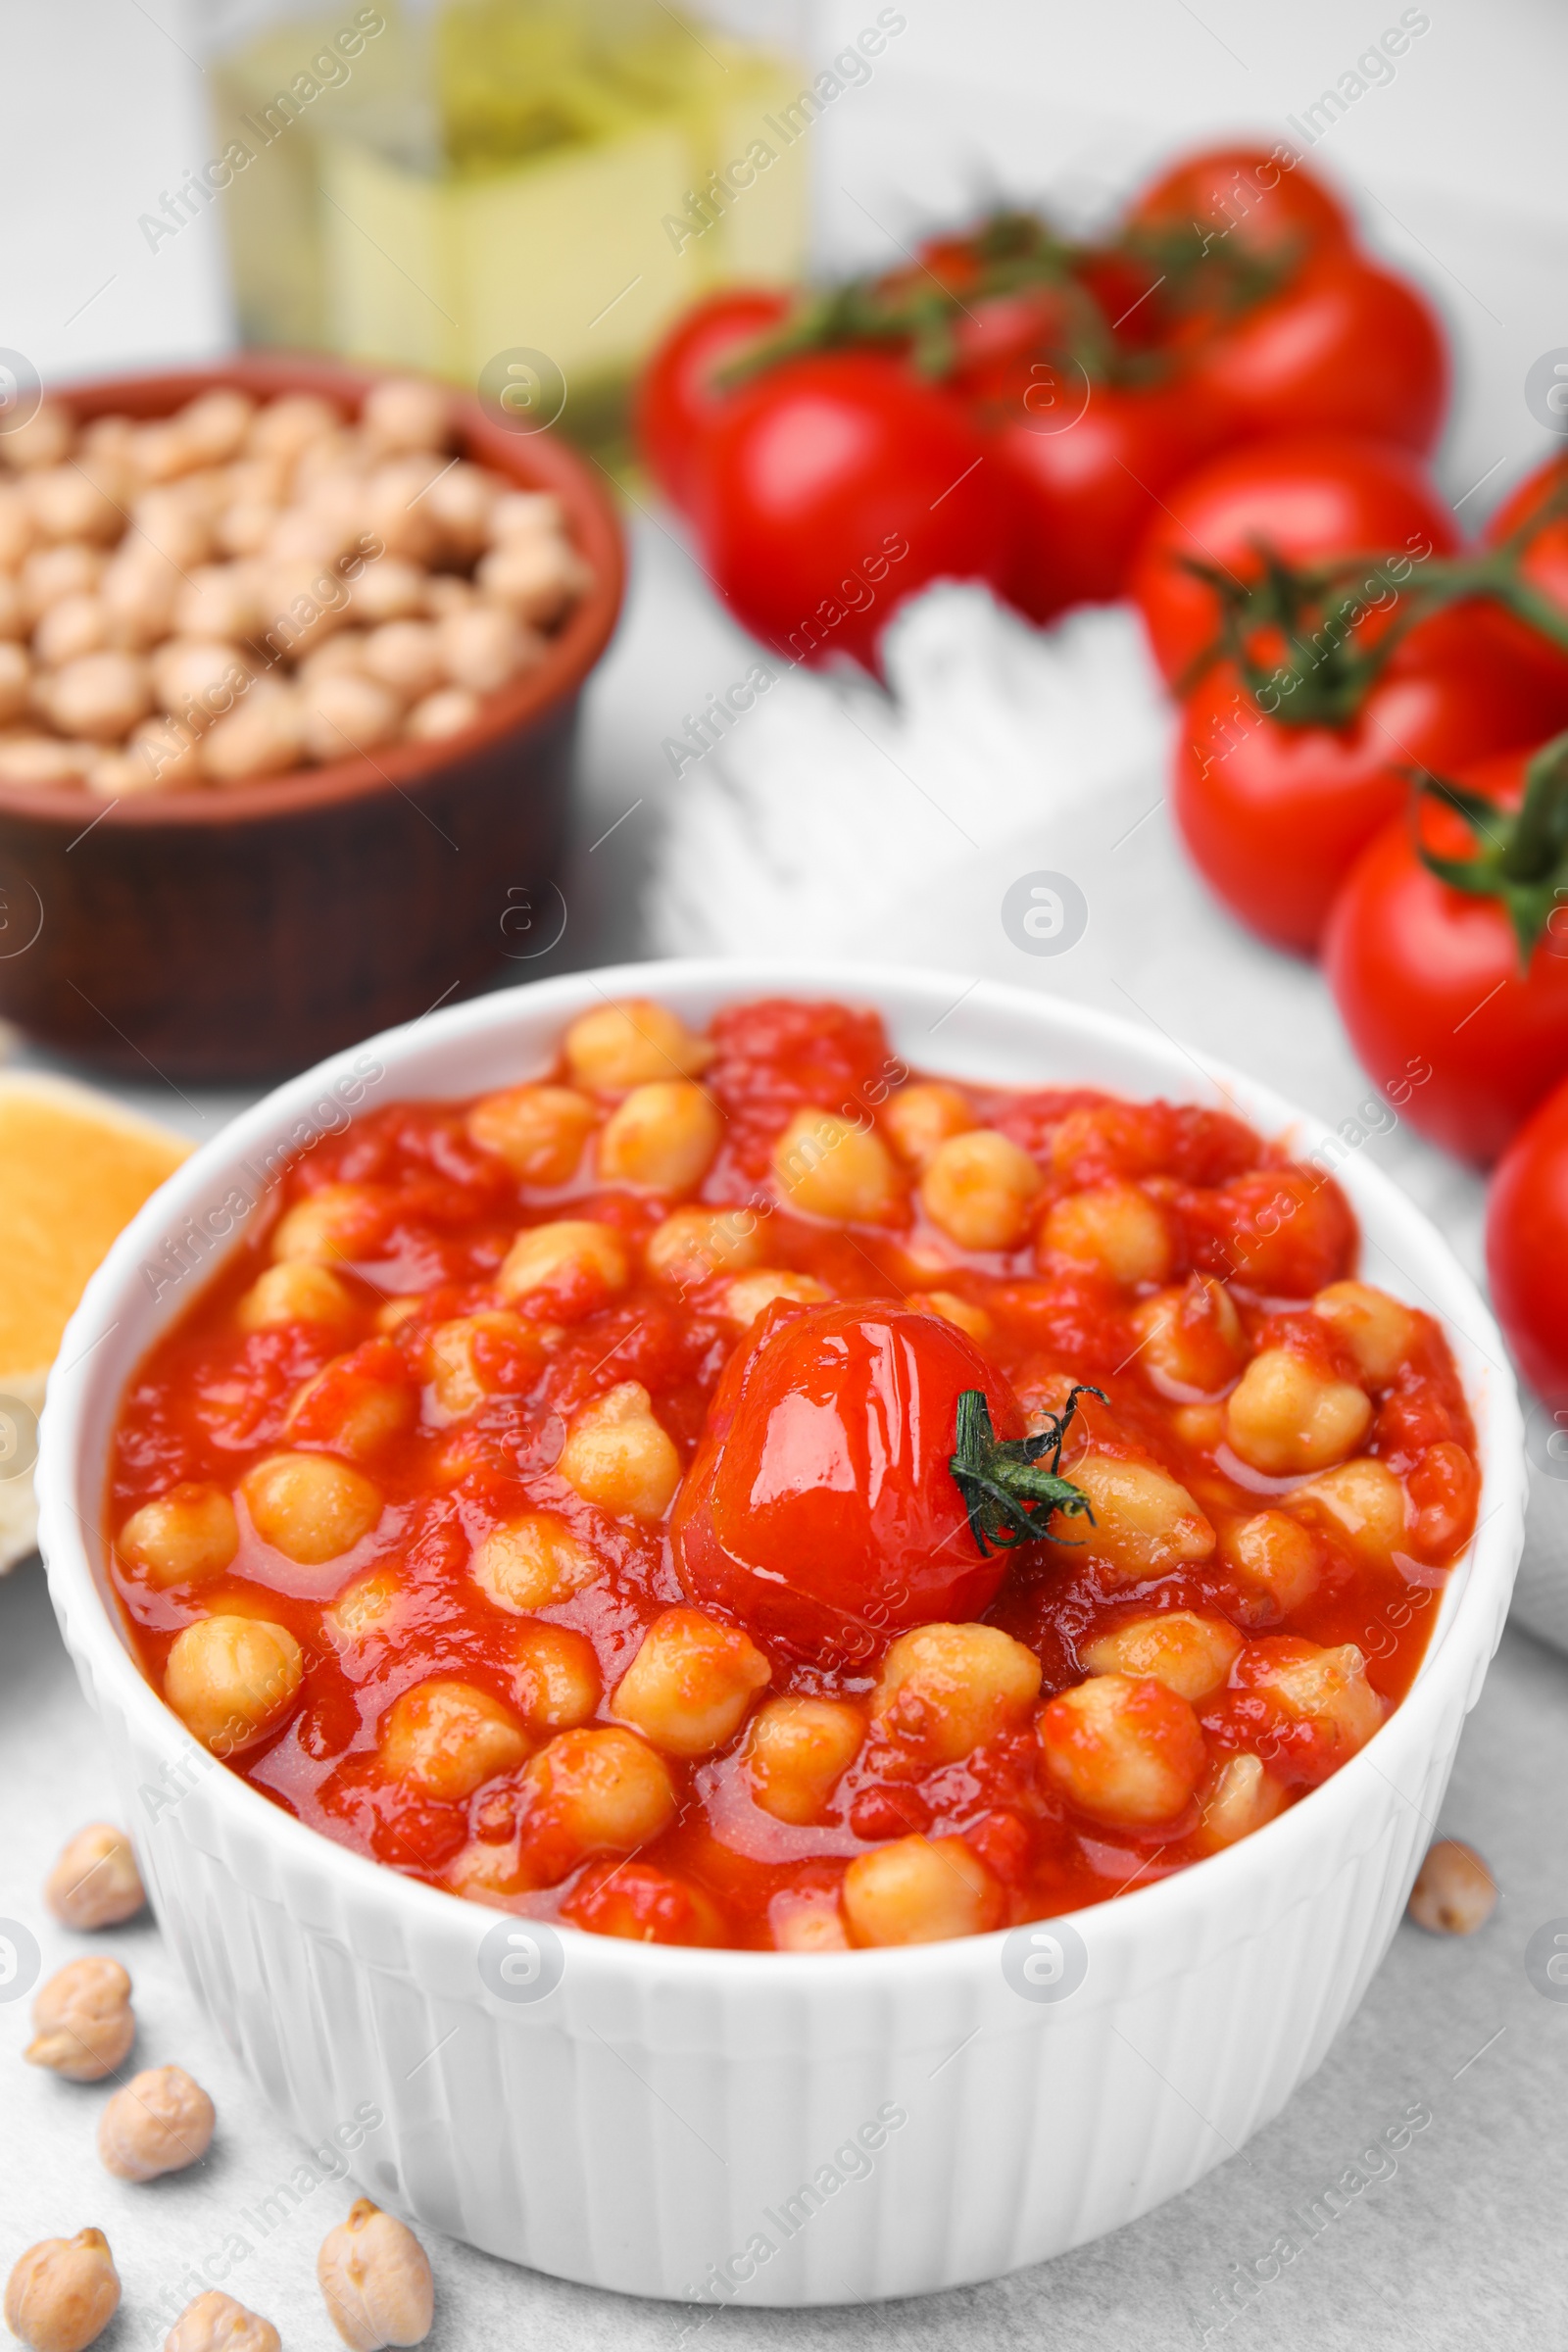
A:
[421,1218]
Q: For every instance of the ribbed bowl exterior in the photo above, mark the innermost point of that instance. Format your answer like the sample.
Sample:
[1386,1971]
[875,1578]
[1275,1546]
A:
[769,2129]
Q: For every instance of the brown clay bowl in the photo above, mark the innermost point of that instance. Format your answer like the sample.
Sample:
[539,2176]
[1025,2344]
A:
[243,932]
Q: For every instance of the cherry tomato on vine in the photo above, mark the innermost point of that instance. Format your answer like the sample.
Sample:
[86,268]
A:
[1275,814]
[1428,974]
[1307,497]
[677,398]
[1342,347]
[837,485]
[821,1508]
[1527,1246]
[1086,464]
[1536,517]
[1251,197]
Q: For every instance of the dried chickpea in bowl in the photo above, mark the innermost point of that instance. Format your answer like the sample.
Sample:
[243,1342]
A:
[169,589]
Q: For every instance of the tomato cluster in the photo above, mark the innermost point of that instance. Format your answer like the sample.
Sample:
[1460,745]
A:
[1221,411]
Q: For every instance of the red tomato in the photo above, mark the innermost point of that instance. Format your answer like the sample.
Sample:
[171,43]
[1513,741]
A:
[1275,814]
[1265,202]
[1342,347]
[1307,497]
[678,400]
[1527,1247]
[1430,979]
[820,1509]
[836,486]
[1085,466]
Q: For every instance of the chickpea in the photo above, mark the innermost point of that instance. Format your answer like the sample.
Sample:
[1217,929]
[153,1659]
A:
[533,1562]
[1237,1798]
[308,1508]
[556,1681]
[216,424]
[796,1750]
[539,1131]
[617,1047]
[482,649]
[593,1791]
[285,427]
[921,1118]
[15,684]
[572,1264]
[263,735]
[1327,1687]
[246,526]
[115,776]
[945,1689]
[63,2293]
[1275,1557]
[618,1456]
[1190,1654]
[189,1533]
[232,1680]
[99,696]
[694,1243]
[375,2275]
[812,1923]
[962,1313]
[159,2122]
[1379,1334]
[1191,1344]
[448,1738]
[1145,1523]
[405,656]
[199,678]
[95,1882]
[219,601]
[41,760]
[394,511]
[12,621]
[137,592]
[921,1890]
[1454,1892]
[216,2322]
[827,1167]
[1363,1503]
[527,514]
[751,1294]
[297,1291]
[463,500]
[446,713]
[84,2023]
[662,1137]
[1126,1752]
[391,590]
[45,439]
[455,1357]
[978,1188]
[77,624]
[445,594]
[340,1220]
[1115,1228]
[167,524]
[344,1407]
[400,412]
[1282,1416]
[363,1609]
[51,572]
[539,578]
[690,1683]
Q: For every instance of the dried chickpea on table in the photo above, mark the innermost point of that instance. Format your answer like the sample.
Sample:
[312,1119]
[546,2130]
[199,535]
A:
[727,1489]
[249,587]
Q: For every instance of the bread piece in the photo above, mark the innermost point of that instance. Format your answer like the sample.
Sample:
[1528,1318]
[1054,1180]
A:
[74,1168]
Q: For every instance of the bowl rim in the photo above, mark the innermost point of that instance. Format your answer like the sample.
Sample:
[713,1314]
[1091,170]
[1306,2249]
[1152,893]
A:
[552,465]
[1463,1637]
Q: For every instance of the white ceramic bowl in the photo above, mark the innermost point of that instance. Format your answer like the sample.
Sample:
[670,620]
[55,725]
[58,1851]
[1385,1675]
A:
[747,2127]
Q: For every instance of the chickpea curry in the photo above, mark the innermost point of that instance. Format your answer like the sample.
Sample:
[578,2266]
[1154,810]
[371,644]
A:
[734,1490]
